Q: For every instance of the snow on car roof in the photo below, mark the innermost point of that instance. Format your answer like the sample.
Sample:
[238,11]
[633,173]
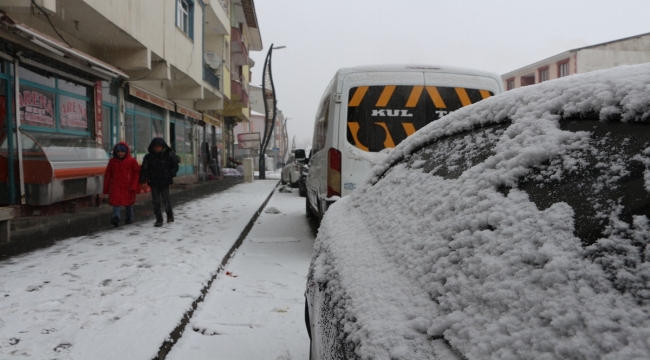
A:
[495,275]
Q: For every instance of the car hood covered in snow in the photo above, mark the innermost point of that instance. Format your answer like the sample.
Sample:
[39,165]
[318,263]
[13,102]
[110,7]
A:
[490,273]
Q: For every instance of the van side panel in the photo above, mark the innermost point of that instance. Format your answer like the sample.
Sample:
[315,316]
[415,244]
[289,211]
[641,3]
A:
[316,182]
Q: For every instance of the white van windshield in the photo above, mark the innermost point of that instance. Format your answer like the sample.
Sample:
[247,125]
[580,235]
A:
[381,116]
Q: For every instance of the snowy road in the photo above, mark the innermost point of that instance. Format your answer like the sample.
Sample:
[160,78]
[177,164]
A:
[119,293]
[255,308]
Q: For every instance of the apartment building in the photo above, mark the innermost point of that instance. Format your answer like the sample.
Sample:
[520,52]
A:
[86,74]
[627,51]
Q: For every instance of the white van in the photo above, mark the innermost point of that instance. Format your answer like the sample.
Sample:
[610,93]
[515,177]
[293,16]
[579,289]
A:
[368,110]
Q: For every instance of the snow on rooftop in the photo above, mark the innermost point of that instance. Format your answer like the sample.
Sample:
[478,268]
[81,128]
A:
[493,274]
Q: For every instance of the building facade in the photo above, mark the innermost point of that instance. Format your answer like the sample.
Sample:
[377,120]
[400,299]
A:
[87,74]
[627,51]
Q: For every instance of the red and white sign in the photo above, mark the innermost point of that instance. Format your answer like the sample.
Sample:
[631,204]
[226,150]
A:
[99,135]
[36,106]
[248,140]
[73,112]
[151,98]
[187,112]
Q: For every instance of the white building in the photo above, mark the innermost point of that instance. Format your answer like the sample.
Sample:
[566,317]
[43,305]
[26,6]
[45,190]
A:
[627,51]
[126,70]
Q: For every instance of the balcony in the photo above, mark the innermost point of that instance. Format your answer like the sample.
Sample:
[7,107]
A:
[210,77]
[238,93]
[239,53]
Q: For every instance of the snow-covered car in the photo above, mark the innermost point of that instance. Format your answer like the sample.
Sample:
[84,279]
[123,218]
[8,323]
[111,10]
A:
[291,171]
[515,228]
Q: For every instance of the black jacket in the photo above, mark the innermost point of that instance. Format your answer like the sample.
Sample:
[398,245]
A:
[159,169]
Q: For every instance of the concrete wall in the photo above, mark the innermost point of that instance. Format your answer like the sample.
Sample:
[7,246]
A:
[153,24]
[596,59]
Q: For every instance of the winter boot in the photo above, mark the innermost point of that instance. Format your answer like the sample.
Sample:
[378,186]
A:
[170,217]
[128,222]
[159,221]
[115,221]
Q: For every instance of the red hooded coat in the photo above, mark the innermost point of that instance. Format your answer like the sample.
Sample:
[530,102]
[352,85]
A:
[121,179]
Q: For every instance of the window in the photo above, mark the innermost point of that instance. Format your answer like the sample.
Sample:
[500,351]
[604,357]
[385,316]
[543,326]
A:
[563,68]
[510,84]
[184,16]
[450,156]
[382,116]
[320,130]
[528,79]
[51,103]
[143,121]
[543,74]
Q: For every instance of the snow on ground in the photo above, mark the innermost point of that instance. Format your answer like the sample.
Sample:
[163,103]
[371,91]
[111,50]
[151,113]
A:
[119,293]
[255,309]
[271,175]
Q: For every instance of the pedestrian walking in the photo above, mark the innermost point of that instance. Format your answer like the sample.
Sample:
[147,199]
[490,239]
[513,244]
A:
[121,180]
[159,167]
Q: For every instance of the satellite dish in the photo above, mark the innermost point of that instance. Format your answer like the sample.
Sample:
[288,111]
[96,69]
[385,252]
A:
[212,60]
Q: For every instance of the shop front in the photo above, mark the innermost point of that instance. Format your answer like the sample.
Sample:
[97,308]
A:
[143,121]
[51,120]
[58,154]
[208,155]
[182,128]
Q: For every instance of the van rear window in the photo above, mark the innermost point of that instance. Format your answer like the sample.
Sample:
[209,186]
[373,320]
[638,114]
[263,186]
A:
[381,116]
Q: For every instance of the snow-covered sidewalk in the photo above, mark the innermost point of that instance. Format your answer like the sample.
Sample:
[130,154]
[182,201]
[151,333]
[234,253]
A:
[255,308]
[119,293]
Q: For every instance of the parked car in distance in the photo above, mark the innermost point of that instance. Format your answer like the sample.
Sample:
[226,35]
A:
[368,110]
[515,228]
[291,170]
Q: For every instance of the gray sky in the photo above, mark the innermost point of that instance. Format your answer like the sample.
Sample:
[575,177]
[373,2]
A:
[500,36]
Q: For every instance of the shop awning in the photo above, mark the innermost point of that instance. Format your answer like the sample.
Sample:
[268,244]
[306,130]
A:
[212,121]
[57,46]
[189,112]
[151,98]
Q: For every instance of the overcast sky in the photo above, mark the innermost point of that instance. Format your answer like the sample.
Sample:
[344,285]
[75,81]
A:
[500,36]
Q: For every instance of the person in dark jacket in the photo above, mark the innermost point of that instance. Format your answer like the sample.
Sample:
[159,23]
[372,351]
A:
[121,182]
[159,167]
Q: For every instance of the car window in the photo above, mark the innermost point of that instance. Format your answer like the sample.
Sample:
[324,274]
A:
[381,116]
[606,182]
[449,157]
[602,180]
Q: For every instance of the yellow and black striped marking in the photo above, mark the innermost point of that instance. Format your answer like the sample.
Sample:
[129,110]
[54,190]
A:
[381,117]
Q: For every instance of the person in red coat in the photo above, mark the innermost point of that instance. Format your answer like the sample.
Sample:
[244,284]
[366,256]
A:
[122,182]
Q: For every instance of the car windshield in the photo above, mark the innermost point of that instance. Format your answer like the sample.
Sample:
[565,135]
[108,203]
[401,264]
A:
[381,116]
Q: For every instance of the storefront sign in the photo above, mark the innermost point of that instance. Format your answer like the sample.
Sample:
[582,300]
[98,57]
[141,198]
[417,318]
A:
[187,112]
[148,97]
[99,136]
[73,112]
[248,140]
[211,120]
[36,106]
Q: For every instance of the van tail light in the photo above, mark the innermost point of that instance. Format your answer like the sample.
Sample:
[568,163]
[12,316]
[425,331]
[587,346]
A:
[333,173]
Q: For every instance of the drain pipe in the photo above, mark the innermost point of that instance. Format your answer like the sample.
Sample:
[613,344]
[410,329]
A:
[19,142]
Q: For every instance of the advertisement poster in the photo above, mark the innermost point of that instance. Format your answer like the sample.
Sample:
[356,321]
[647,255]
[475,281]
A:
[248,140]
[36,107]
[73,113]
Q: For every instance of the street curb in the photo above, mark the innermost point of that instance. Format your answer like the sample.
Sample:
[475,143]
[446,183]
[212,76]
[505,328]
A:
[176,334]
